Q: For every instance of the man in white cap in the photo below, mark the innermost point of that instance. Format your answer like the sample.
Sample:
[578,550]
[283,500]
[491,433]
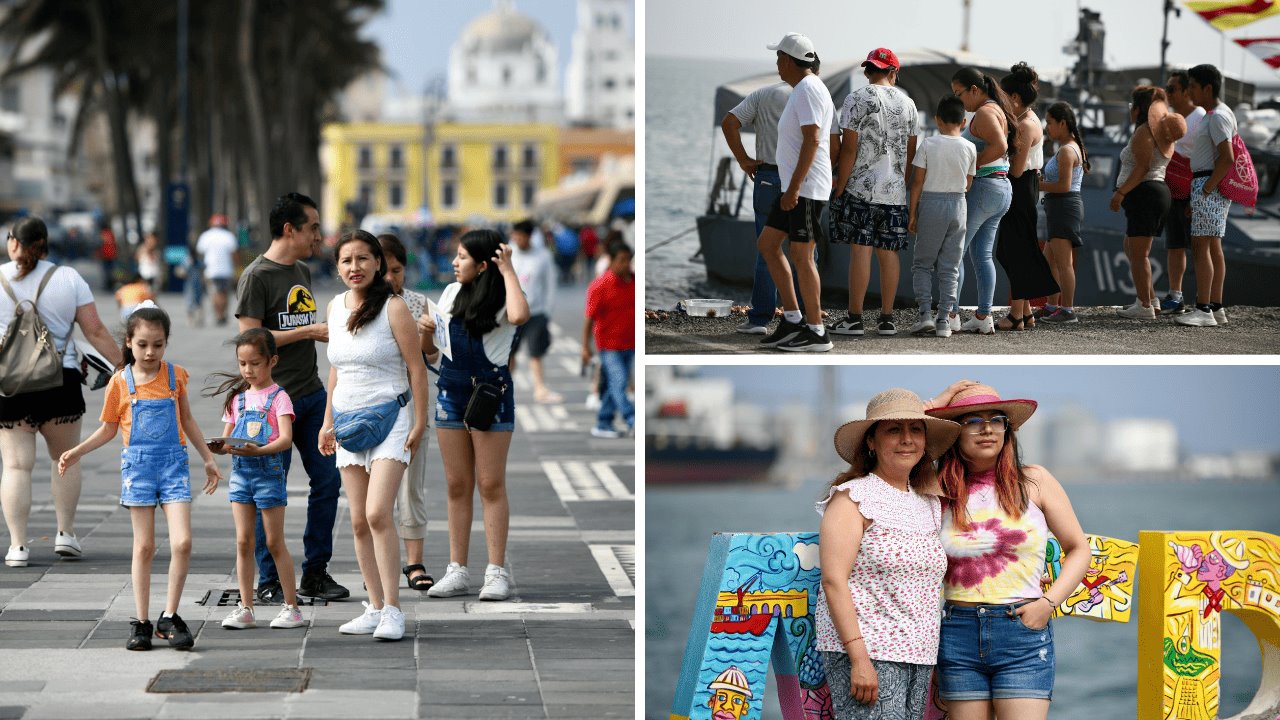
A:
[804,165]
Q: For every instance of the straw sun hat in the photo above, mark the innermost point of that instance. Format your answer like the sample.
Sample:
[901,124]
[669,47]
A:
[977,398]
[896,404]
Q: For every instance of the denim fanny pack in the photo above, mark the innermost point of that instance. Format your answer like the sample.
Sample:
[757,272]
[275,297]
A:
[359,430]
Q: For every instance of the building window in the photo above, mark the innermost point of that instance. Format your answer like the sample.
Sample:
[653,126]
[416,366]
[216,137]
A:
[448,156]
[10,97]
[527,192]
[448,194]
[396,159]
[395,196]
[506,75]
[542,71]
[364,157]
[529,157]
[609,83]
[366,195]
[499,157]
[500,194]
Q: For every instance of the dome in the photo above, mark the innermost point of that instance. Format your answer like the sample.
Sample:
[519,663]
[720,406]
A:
[501,30]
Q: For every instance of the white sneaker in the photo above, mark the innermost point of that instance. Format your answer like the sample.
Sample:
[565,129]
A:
[365,624]
[240,618]
[942,326]
[1137,312]
[1220,316]
[66,545]
[593,402]
[953,322]
[750,328]
[925,324]
[982,326]
[288,617]
[1197,318]
[391,624]
[605,432]
[456,581]
[17,557]
[497,584]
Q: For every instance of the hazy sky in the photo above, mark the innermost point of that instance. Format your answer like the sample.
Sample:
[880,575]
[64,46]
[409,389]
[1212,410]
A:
[416,35]
[1005,31]
[1215,408]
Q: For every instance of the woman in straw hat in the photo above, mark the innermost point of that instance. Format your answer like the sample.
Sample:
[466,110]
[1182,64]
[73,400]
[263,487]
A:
[996,649]
[882,560]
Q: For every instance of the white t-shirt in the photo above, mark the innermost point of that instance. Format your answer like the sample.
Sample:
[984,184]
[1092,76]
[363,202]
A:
[65,292]
[761,110]
[497,342]
[216,247]
[537,278]
[884,118]
[1217,126]
[948,161]
[809,104]
[1183,144]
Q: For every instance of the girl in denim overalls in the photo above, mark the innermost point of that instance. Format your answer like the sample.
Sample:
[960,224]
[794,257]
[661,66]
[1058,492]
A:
[257,470]
[149,397]
[485,307]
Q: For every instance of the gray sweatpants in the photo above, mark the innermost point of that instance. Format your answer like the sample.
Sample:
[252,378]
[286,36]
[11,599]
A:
[940,228]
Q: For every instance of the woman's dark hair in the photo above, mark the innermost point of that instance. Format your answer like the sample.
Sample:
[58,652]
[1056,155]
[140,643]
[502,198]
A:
[1022,81]
[153,315]
[973,77]
[1207,76]
[864,463]
[1010,483]
[479,301]
[392,246]
[1143,97]
[33,238]
[375,297]
[259,339]
[1062,112]
[950,110]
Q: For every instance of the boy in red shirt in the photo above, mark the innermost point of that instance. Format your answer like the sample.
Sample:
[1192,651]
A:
[611,314]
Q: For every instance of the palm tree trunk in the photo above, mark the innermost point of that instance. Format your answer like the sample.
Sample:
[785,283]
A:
[117,117]
[257,116]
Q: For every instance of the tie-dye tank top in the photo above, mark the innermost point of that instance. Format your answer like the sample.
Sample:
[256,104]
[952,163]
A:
[999,559]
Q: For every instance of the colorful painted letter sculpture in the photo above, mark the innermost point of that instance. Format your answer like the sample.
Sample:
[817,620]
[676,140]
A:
[756,604]
[1188,580]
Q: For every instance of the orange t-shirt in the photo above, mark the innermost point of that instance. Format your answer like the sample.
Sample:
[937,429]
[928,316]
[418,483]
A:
[116,407]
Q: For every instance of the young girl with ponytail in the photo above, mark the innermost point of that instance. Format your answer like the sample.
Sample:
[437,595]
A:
[993,131]
[1064,209]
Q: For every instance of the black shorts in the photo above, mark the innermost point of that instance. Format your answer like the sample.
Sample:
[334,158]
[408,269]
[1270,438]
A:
[802,223]
[1145,208]
[61,404]
[1177,225]
[534,336]
[857,222]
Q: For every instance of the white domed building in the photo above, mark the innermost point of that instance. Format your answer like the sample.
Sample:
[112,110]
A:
[504,68]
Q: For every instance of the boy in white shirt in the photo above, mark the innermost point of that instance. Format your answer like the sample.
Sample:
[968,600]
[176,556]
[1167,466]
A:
[945,164]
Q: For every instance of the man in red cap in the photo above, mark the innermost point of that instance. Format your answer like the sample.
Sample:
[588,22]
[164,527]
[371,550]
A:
[878,128]
[217,248]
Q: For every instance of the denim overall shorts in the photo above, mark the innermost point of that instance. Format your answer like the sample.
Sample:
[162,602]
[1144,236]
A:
[470,365]
[256,480]
[153,466]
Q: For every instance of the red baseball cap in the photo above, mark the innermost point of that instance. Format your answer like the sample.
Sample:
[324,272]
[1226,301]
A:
[882,58]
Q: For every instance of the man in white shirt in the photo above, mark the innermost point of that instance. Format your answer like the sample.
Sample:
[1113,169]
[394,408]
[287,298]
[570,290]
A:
[804,166]
[1177,232]
[217,248]
[534,267]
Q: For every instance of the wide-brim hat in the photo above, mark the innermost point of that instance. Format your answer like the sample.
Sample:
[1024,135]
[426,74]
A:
[977,398]
[896,404]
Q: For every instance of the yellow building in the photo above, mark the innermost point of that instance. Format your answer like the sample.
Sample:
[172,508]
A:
[475,172]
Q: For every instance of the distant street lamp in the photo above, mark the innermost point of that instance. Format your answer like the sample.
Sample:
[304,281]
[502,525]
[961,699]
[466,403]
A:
[433,94]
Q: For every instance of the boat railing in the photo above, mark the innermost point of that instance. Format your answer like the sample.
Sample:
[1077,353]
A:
[723,190]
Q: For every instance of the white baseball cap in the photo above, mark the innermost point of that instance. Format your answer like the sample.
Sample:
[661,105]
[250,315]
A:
[797,46]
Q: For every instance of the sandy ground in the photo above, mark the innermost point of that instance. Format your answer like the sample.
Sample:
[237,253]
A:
[1249,331]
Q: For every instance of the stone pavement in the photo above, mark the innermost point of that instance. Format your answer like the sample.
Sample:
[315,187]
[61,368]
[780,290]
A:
[563,646]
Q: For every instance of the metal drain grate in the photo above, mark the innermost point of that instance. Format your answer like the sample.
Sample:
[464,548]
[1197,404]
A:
[231,597]
[213,681]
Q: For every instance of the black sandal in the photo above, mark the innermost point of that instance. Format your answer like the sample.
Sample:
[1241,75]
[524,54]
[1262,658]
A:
[422,582]
[1014,323]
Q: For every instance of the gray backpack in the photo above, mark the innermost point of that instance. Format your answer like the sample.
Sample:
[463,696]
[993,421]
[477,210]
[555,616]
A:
[29,358]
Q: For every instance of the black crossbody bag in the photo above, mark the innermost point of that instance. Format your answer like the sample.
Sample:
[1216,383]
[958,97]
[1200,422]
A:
[482,408]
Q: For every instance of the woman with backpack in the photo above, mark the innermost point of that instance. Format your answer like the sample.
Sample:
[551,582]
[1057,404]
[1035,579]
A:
[62,300]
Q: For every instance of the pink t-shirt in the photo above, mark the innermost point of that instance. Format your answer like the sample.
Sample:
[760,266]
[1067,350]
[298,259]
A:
[897,576]
[255,399]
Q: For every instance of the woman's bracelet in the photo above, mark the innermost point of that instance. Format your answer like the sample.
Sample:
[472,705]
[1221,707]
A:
[852,639]
[1051,603]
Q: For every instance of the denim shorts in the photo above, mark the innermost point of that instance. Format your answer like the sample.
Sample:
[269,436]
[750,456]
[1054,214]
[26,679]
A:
[986,653]
[154,477]
[258,481]
[451,407]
